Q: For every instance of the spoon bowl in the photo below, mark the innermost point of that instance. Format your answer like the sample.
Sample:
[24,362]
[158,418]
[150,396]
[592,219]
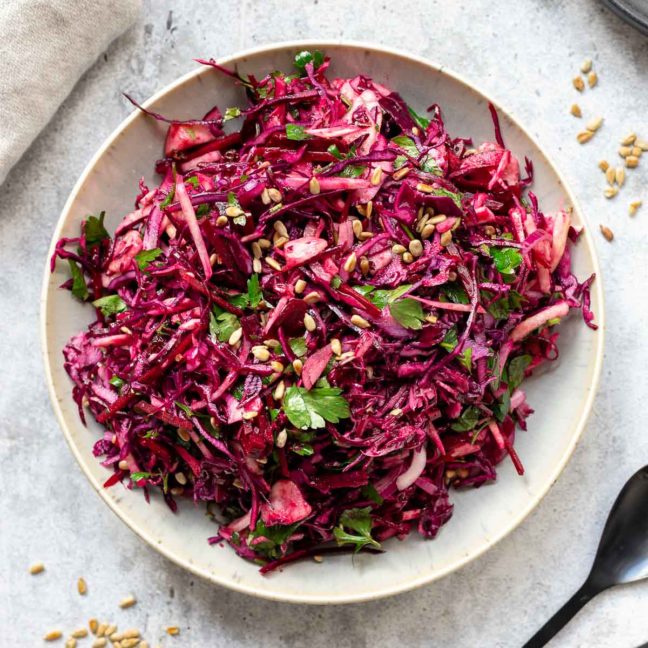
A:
[622,555]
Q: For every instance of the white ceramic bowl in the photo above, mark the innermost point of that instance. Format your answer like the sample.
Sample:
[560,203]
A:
[562,397]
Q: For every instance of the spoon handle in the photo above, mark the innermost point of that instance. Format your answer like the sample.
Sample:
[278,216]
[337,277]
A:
[559,620]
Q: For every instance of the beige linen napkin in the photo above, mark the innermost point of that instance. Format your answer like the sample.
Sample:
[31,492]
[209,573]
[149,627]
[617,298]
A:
[45,46]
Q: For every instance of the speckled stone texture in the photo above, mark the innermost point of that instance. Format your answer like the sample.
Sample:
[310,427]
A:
[524,53]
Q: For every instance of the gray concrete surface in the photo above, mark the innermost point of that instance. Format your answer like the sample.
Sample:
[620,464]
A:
[524,53]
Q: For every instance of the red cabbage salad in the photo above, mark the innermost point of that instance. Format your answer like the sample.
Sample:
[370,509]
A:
[319,322]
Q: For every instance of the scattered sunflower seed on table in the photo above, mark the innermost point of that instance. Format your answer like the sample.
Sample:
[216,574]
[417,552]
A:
[608,234]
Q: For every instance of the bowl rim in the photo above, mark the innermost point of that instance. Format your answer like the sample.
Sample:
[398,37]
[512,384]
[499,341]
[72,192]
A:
[388,590]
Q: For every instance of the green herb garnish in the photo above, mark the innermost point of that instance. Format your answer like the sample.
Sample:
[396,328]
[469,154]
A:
[146,257]
[231,113]
[311,409]
[468,419]
[222,323]
[408,313]
[355,529]
[79,287]
[94,230]
[110,305]
[296,132]
[298,346]
[303,58]
[506,259]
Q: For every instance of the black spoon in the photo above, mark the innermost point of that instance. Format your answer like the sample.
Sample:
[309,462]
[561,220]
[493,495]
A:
[622,556]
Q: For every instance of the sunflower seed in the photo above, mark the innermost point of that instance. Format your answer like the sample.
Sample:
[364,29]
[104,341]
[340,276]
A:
[364,265]
[427,231]
[576,111]
[173,630]
[234,338]
[594,124]
[435,220]
[37,568]
[256,266]
[398,248]
[275,195]
[416,248]
[314,186]
[586,66]
[350,263]
[282,437]
[274,264]
[603,165]
[298,365]
[637,151]
[620,176]
[610,175]
[610,192]
[276,366]
[401,173]
[261,352]
[257,252]
[408,257]
[632,161]
[53,635]
[628,140]
[422,222]
[376,176]
[233,211]
[312,297]
[359,321]
[624,151]
[584,136]
[365,236]
[633,207]
[346,357]
[129,601]
[82,586]
[608,234]
[642,144]
[424,188]
[592,79]
[221,221]
[300,286]
[79,633]
[578,83]
[357,227]
[446,238]
[279,390]
[310,323]
[280,228]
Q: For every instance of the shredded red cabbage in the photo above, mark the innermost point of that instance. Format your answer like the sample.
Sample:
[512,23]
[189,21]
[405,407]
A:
[320,322]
